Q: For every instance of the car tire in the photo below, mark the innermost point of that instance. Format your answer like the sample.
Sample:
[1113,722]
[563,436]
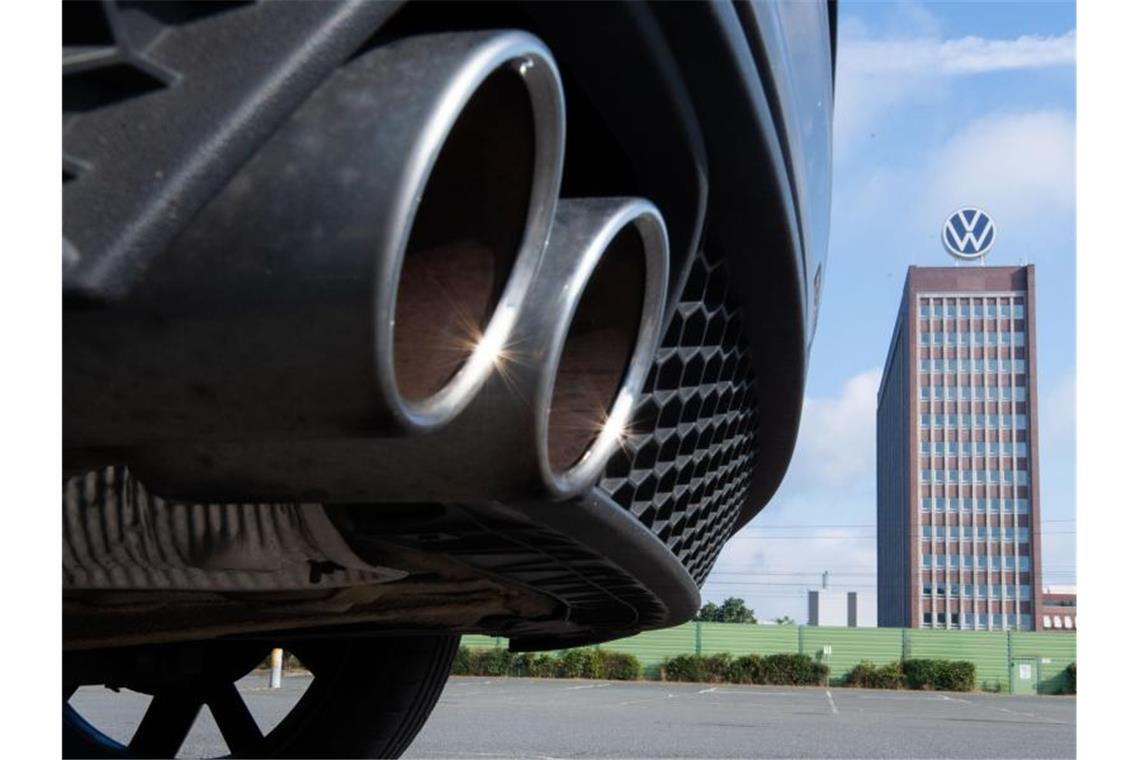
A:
[369,698]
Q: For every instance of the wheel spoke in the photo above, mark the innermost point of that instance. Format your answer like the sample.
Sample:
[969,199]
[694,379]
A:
[164,726]
[232,715]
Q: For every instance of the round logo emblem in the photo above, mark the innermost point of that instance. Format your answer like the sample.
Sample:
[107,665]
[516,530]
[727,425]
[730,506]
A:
[968,233]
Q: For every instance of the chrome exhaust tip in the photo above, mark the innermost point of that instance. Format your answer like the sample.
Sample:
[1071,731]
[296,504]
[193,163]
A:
[470,214]
[563,386]
[601,251]
[358,273]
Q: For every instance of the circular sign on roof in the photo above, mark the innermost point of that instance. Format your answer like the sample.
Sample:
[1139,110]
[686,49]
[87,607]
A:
[968,233]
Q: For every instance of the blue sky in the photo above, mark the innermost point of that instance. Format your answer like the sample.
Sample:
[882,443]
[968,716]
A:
[938,105]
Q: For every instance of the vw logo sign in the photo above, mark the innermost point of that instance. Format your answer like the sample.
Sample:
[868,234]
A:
[968,233]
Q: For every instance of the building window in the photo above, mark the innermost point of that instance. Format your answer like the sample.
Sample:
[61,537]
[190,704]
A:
[937,338]
[1004,365]
[926,504]
[924,420]
[1023,621]
[977,310]
[1022,535]
[1021,422]
[940,505]
[924,365]
[924,393]
[924,476]
[1022,506]
[1023,563]
[983,621]
[1006,393]
[926,560]
[926,619]
[941,560]
[1019,393]
[1019,339]
[926,531]
[1005,310]
[924,311]
[1019,365]
[1047,621]
[938,310]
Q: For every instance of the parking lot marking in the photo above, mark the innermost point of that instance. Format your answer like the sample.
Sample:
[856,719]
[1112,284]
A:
[707,691]
[834,709]
[588,686]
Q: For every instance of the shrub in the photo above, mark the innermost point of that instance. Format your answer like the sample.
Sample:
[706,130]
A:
[1071,672]
[682,667]
[580,663]
[780,669]
[717,667]
[795,670]
[543,666]
[461,665]
[490,662]
[619,666]
[941,675]
[749,669]
[867,675]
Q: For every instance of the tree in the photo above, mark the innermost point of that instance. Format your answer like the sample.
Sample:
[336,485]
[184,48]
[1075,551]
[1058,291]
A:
[785,620]
[731,610]
[707,613]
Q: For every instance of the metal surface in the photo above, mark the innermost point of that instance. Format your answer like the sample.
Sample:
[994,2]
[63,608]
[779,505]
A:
[294,338]
[119,537]
[497,447]
[310,430]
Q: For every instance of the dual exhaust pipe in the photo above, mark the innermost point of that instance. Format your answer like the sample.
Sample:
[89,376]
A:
[388,302]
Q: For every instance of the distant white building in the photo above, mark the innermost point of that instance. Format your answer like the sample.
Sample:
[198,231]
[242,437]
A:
[830,607]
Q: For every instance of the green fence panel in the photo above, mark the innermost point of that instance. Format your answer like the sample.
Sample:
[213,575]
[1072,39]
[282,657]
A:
[740,638]
[652,647]
[483,642]
[988,650]
[851,645]
[1054,651]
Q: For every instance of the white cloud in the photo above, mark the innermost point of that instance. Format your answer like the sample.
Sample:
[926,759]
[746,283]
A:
[875,75]
[1020,167]
[836,443]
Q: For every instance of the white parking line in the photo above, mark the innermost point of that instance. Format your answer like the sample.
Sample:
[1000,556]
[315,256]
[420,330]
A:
[834,709]
[588,686]
[707,691]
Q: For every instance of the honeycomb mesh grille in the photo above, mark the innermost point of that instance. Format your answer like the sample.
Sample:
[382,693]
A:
[685,469]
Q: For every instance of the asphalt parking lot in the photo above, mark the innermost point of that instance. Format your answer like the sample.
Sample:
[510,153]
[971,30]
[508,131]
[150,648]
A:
[529,718]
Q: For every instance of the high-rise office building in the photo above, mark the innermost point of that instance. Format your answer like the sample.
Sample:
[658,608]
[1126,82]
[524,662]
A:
[959,540]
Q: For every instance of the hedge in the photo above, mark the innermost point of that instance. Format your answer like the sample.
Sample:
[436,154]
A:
[775,669]
[572,663]
[868,675]
[940,675]
[1071,672]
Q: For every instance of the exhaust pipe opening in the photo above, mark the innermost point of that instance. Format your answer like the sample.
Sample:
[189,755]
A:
[616,255]
[597,352]
[466,236]
[477,193]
